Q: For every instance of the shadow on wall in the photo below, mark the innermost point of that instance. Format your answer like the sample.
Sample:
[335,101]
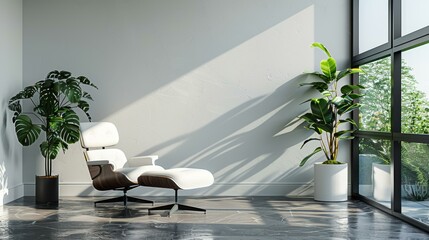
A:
[155,42]
[233,140]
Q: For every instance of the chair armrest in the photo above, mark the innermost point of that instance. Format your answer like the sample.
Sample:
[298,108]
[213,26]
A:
[142,161]
[97,162]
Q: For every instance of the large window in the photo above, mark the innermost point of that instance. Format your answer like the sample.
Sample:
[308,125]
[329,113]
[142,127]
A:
[415,180]
[373,24]
[414,15]
[391,148]
[375,110]
[374,170]
[415,90]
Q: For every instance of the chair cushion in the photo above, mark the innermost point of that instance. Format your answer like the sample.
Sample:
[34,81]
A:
[98,134]
[134,173]
[177,178]
[115,157]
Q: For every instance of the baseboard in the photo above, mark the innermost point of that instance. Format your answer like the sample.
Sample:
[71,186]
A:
[217,189]
[11,194]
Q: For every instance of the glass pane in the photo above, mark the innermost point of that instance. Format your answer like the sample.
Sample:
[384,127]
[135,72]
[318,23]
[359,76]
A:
[415,181]
[415,91]
[375,110]
[414,15]
[374,170]
[373,24]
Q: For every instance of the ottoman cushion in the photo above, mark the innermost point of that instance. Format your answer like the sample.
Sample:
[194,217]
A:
[177,178]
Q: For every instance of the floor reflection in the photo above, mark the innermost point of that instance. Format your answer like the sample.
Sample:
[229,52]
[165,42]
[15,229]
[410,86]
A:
[226,218]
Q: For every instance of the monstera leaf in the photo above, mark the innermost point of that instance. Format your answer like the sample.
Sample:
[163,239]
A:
[49,102]
[51,148]
[72,90]
[26,131]
[69,130]
[85,80]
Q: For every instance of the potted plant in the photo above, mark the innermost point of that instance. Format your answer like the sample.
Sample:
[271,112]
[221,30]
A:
[54,101]
[379,157]
[327,115]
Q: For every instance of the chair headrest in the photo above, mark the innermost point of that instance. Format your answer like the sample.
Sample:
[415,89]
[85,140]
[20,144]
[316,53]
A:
[98,134]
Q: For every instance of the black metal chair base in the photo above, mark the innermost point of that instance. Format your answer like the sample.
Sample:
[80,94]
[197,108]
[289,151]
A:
[125,200]
[172,208]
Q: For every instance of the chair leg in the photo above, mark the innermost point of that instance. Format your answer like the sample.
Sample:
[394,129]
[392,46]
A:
[139,200]
[117,199]
[172,208]
[125,199]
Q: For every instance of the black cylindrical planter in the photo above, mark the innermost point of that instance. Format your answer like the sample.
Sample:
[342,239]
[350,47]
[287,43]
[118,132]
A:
[47,190]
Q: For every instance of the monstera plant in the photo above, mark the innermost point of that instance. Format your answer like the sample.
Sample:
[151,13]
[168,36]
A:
[328,111]
[54,101]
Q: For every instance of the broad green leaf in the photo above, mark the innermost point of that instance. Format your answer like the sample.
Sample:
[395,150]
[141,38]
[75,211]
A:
[83,105]
[303,161]
[329,67]
[49,102]
[72,90]
[322,47]
[16,97]
[326,93]
[347,89]
[55,123]
[15,106]
[87,96]
[321,109]
[340,133]
[325,127]
[53,75]
[355,95]
[321,76]
[320,86]
[64,75]
[349,120]
[51,148]
[349,108]
[85,80]
[309,118]
[26,131]
[337,100]
[15,116]
[29,91]
[309,140]
[347,72]
[69,130]
[312,127]
[348,137]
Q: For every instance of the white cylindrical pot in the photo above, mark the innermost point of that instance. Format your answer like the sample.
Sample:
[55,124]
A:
[382,182]
[330,182]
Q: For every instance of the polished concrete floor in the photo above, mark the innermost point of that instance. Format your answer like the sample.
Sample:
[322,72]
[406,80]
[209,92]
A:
[226,218]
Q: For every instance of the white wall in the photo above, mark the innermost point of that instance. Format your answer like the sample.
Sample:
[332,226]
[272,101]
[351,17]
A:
[11,186]
[205,84]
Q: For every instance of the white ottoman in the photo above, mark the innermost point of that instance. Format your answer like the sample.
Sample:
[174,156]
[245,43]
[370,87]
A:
[177,178]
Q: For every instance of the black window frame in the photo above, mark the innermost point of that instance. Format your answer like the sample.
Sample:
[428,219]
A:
[394,47]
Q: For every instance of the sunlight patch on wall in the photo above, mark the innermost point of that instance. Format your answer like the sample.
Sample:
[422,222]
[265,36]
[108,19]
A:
[226,90]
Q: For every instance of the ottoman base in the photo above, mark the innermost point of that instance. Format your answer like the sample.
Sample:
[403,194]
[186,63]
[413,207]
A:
[172,208]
